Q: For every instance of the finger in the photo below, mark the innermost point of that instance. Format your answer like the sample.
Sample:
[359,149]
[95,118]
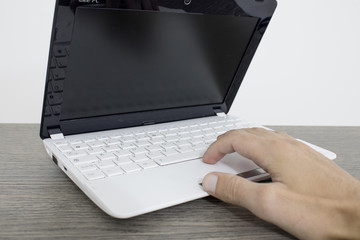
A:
[300,215]
[265,133]
[218,150]
[241,141]
[232,189]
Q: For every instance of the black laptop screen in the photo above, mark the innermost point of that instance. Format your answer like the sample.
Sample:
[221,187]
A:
[126,61]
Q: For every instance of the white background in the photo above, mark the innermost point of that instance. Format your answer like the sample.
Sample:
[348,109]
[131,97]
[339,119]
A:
[306,70]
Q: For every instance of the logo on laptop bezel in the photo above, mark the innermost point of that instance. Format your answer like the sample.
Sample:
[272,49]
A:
[89,1]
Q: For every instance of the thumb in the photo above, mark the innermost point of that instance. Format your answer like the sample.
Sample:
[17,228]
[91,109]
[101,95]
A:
[232,189]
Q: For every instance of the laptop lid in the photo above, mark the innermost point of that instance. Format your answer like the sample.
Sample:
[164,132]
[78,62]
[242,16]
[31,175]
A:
[114,64]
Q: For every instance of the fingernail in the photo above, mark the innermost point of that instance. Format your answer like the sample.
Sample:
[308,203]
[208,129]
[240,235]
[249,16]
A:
[209,183]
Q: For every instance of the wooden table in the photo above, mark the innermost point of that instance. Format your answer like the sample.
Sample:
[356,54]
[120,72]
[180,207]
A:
[38,201]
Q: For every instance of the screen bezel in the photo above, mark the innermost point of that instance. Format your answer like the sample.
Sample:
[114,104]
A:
[101,123]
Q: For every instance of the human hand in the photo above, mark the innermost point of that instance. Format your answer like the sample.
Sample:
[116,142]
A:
[310,196]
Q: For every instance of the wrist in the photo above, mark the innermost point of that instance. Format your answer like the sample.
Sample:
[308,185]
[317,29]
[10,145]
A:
[346,220]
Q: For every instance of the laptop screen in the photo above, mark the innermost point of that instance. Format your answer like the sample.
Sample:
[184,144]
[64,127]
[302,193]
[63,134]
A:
[125,61]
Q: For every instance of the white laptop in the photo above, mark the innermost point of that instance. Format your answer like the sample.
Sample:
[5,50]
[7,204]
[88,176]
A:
[135,94]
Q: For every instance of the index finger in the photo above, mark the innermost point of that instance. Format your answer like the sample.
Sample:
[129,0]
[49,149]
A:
[244,142]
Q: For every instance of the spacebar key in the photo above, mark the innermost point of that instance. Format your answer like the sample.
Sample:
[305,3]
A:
[179,157]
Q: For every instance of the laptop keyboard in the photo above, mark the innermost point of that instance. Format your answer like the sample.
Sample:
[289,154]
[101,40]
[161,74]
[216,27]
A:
[125,151]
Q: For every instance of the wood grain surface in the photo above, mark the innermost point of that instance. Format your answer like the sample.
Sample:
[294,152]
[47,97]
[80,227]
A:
[38,201]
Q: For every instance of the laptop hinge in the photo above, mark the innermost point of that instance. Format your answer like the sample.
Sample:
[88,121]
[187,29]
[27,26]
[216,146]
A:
[219,112]
[56,134]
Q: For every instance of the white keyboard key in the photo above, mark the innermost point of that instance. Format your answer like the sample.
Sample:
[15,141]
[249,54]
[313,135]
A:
[122,160]
[185,136]
[105,164]
[168,145]
[172,131]
[209,132]
[128,139]
[148,164]
[75,154]
[126,133]
[182,143]
[197,134]
[65,148]
[111,148]
[182,132]
[132,167]
[96,144]
[122,153]
[221,131]
[173,128]
[200,146]
[210,139]
[153,148]
[142,143]
[184,149]
[86,159]
[172,138]
[80,146]
[230,125]
[87,167]
[155,135]
[170,134]
[112,141]
[156,154]
[106,156]
[128,145]
[169,152]
[157,140]
[139,157]
[93,175]
[89,139]
[115,135]
[140,134]
[195,131]
[142,137]
[61,143]
[113,171]
[93,151]
[228,119]
[196,140]
[179,158]
[74,141]
[102,138]
[139,150]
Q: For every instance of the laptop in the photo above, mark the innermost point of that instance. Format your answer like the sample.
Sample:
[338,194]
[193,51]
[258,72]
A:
[135,93]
